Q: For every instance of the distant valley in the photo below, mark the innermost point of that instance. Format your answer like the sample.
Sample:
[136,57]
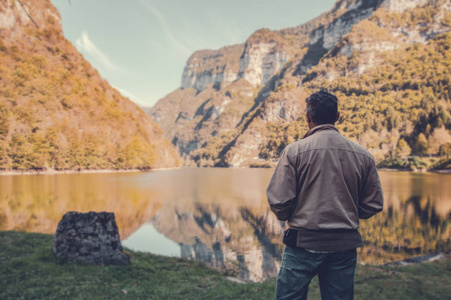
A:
[239,106]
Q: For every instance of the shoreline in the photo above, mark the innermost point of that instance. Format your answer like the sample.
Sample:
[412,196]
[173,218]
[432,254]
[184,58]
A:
[399,170]
[58,172]
[441,171]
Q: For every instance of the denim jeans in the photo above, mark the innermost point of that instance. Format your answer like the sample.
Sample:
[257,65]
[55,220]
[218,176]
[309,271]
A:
[335,272]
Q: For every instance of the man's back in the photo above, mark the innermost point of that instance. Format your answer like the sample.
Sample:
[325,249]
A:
[322,185]
[331,173]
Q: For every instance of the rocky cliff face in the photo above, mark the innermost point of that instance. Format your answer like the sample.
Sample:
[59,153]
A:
[212,67]
[401,5]
[348,14]
[257,61]
[248,118]
[56,112]
[263,57]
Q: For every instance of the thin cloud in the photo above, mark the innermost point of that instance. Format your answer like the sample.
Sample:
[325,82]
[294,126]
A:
[167,29]
[84,44]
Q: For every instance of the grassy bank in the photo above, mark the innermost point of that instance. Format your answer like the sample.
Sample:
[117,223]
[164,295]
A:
[28,270]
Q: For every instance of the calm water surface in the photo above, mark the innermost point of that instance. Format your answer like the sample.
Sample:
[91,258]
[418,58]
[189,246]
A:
[221,216]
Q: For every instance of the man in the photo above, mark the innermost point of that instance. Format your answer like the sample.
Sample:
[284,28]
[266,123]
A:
[322,185]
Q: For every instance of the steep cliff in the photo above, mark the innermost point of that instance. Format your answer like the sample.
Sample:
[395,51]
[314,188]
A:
[265,54]
[366,52]
[56,112]
[207,67]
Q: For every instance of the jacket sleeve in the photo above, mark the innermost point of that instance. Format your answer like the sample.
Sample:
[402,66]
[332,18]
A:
[372,199]
[281,191]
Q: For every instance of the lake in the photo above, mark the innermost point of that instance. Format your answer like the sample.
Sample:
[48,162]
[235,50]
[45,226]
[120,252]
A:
[221,216]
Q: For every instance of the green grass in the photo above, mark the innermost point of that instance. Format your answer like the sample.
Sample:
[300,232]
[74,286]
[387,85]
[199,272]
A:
[28,270]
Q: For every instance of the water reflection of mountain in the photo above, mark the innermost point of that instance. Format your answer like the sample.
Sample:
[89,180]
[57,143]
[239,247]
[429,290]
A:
[244,237]
[221,216]
[235,242]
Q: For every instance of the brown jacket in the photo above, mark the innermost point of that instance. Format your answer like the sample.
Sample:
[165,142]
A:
[322,185]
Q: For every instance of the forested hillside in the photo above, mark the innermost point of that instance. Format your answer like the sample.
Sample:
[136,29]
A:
[395,96]
[387,61]
[400,107]
[56,112]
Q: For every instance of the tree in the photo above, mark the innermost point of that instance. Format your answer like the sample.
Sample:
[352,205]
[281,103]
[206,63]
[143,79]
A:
[421,144]
[445,149]
[402,148]
[438,137]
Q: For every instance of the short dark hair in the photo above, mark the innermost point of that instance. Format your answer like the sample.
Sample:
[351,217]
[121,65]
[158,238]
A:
[322,107]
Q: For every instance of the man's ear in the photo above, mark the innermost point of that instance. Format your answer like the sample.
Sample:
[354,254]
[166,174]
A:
[338,116]
[309,120]
[308,117]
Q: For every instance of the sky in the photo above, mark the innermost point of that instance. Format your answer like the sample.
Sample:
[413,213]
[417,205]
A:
[141,46]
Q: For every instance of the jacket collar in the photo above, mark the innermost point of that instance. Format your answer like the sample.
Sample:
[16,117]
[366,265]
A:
[320,128]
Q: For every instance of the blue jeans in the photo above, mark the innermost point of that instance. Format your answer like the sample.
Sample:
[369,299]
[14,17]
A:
[335,272]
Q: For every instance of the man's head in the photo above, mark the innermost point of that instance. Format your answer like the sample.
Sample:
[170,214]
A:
[322,108]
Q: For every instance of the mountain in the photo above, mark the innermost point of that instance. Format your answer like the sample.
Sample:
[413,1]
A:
[145,108]
[387,61]
[56,112]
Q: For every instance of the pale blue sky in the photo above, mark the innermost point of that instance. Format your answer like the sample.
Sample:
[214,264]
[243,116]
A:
[141,46]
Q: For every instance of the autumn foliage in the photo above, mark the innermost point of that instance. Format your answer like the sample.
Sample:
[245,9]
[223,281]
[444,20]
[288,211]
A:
[56,112]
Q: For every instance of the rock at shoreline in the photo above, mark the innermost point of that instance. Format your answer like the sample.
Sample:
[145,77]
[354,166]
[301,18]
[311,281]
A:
[90,238]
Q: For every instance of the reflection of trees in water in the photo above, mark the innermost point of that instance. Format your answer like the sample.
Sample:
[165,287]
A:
[427,216]
[415,229]
[37,203]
